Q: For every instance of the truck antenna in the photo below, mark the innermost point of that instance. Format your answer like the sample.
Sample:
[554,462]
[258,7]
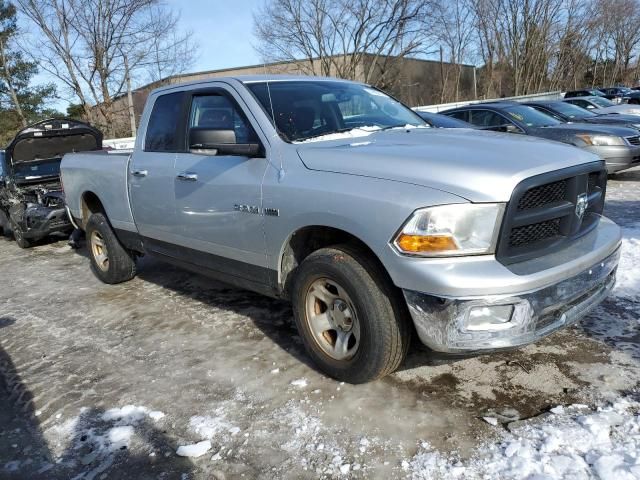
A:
[273,119]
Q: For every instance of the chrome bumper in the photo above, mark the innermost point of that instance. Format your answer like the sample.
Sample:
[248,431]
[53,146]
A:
[443,323]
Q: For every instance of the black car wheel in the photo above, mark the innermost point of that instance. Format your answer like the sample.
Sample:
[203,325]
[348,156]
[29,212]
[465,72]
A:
[18,234]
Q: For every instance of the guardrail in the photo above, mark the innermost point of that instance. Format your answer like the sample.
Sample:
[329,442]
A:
[520,98]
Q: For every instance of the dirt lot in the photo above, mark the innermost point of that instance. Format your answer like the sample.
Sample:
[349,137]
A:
[108,381]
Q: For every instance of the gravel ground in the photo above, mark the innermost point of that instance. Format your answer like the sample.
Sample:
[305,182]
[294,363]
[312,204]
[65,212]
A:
[101,381]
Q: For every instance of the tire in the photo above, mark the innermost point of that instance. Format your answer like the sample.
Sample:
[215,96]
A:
[110,261]
[18,235]
[366,309]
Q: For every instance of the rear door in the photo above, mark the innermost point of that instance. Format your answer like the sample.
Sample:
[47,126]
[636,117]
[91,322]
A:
[151,172]
[218,197]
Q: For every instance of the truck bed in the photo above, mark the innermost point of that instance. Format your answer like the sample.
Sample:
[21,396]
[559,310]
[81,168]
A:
[103,174]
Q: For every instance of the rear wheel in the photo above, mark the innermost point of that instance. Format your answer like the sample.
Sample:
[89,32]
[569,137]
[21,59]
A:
[349,315]
[18,234]
[110,261]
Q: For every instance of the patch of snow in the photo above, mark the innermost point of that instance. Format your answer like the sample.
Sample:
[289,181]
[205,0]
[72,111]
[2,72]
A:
[491,420]
[195,450]
[301,383]
[355,133]
[628,278]
[120,436]
[156,415]
[207,426]
[130,414]
[570,444]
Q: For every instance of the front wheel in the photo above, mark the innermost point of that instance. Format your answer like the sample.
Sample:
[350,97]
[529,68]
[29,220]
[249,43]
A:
[110,261]
[18,234]
[349,315]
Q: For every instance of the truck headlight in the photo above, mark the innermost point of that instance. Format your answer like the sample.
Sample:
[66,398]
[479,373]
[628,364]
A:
[602,140]
[448,230]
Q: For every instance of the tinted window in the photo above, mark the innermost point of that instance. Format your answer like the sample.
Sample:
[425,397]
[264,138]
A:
[464,115]
[572,111]
[220,113]
[602,102]
[163,131]
[487,118]
[306,109]
[529,116]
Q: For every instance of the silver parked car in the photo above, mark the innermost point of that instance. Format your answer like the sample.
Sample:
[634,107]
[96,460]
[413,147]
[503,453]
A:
[338,198]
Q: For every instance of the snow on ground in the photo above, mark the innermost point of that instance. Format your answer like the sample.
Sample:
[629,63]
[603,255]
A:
[628,278]
[194,451]
[573,443]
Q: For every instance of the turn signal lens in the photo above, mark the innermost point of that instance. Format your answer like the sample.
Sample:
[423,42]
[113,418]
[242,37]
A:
[420,244]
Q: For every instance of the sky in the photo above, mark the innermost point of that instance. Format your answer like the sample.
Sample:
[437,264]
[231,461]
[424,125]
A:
[223,30]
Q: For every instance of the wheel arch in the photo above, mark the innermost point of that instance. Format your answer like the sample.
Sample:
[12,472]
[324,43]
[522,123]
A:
[307,239]
[90,203]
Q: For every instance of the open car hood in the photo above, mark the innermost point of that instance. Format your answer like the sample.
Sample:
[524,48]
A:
[47,141]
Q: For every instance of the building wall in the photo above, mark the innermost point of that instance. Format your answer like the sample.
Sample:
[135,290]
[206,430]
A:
[413,81]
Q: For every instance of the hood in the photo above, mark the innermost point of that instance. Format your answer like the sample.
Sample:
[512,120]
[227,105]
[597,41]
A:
[616,116]
[589,128]
[625,109]
[476,165]
[51,139]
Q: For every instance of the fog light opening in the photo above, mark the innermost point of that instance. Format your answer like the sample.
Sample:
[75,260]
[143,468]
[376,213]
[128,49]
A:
[490,318]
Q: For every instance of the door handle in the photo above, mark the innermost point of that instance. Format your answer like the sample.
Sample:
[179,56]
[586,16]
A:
[187,176]
[139,173]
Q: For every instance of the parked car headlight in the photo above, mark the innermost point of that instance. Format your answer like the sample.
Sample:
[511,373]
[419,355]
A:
[448,230]
[602,140]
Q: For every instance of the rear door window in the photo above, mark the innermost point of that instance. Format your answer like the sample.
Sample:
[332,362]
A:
[163,130]
[487,118]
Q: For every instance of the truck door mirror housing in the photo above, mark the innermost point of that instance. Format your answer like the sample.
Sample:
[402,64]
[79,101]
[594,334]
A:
[215,141]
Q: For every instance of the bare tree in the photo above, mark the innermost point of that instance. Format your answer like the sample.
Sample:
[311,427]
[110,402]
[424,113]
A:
[344,38]
[85,43]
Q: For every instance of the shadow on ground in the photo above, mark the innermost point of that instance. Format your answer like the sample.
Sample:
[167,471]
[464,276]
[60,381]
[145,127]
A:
[94,445]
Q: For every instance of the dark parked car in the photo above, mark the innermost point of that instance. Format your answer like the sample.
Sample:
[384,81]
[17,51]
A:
[567,112]
[31,197]
[618,146]
[586,92]
[623,94]
[442,121]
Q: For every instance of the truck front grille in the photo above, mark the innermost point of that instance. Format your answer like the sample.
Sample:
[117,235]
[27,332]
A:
[543,214]
[543,195]
[534,232]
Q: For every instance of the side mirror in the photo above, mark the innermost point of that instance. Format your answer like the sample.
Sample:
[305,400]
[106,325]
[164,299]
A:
[215,141]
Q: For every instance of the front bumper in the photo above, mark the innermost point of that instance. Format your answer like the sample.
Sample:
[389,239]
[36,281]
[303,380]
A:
[443,324]
[38,221]
[617,158]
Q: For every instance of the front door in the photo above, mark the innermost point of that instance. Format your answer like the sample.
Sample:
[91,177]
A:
[218,197]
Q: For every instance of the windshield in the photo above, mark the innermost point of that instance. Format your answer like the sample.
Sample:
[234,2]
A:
[530,116]
[602,102]
[571,111]
[314,108]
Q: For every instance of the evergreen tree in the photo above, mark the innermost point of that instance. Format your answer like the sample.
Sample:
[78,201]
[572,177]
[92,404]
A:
[21,102]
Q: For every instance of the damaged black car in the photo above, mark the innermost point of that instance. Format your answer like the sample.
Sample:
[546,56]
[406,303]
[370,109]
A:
[31,196]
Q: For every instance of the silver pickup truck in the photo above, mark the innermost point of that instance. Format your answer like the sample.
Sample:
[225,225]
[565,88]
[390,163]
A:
[337,197]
